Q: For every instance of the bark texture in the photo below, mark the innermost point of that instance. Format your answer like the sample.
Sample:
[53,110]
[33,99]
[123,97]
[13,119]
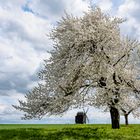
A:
[115,118]
[126,119]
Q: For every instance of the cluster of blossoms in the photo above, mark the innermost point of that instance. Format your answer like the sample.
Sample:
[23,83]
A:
[91,64]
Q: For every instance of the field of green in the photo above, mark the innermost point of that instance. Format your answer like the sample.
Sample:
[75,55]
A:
[67,132]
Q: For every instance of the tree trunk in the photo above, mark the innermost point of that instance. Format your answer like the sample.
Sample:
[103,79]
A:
[126,119]
[115,117]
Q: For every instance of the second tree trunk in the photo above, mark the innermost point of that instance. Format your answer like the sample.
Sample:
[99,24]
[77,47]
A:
[126,119]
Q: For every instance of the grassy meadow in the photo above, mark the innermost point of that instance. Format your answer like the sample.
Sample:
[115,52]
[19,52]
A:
[68,132]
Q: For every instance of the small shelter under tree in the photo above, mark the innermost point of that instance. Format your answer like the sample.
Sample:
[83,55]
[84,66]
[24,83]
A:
[80,118]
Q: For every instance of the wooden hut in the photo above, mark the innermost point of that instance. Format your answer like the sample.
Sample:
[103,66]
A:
[80,118]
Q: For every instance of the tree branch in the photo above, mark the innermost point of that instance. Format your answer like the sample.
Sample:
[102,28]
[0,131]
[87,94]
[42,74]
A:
[123,110]
[130,111]
[114,79]
[119,60]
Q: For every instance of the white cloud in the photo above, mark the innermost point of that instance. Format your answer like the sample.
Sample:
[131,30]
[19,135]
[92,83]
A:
[16,4]
[2,107]
[6,110]
[54,9]
[20,57]
[23,45]
[76,7]
[105,5]
[130,10]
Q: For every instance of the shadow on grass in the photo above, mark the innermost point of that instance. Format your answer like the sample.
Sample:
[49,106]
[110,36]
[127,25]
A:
[43,134]
[79,133]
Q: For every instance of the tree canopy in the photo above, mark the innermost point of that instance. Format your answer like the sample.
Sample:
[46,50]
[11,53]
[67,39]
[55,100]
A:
[89,57]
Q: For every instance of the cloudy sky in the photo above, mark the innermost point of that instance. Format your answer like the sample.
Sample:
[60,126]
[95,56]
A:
[24,26]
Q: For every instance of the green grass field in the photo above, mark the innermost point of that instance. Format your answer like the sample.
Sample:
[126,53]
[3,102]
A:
[67,132]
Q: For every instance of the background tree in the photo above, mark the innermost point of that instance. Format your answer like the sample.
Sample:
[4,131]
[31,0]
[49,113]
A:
[89,55]
[129,105]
